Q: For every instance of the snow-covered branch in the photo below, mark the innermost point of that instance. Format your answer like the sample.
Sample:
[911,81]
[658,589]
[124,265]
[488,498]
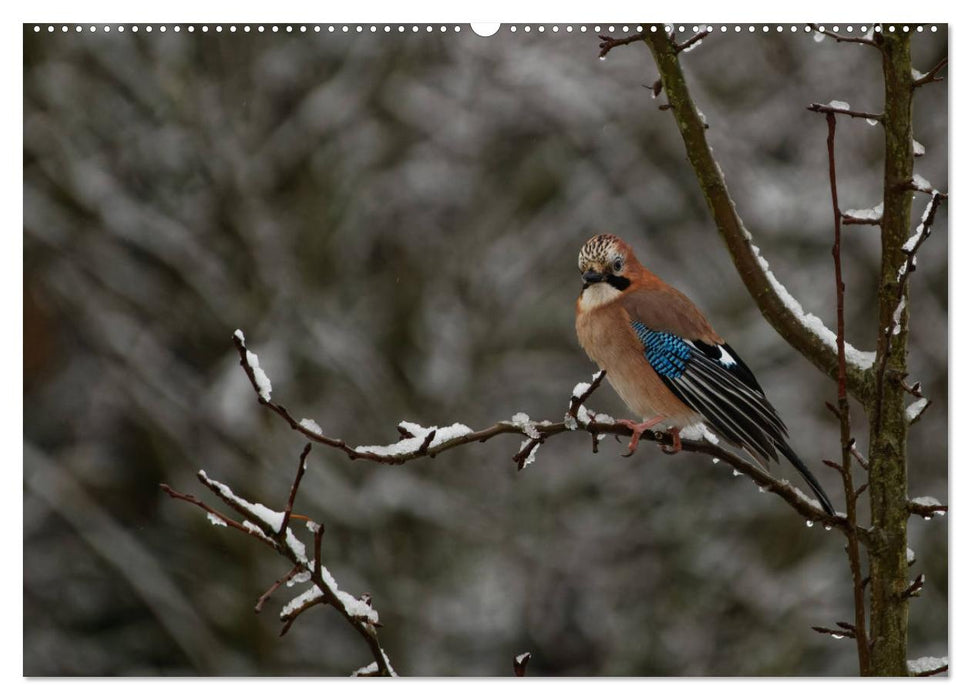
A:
[418,441]
[926,506]
[272,529]
[805,332]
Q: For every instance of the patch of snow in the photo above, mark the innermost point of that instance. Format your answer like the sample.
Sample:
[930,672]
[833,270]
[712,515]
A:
[216,520]
[839,104]
[921,183]
[911,243]
[872,214]
[918,149]
[522,657]
[407,446]
[926,663]
[308,596]
[531,456]
[698,431]
[583,416]
[311,425]
[522,421]
[913,411]
[239,334]
[897,313]
[858,358]
[368,670]
[271,518]
[911,557]
[692,47]
[926,501]
[263,385]
[578,391]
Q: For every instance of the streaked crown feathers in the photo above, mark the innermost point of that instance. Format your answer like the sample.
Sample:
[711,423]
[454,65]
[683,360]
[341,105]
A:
[601,250]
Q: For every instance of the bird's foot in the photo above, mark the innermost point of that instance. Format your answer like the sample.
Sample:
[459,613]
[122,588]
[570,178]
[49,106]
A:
[638,429]
[675,445]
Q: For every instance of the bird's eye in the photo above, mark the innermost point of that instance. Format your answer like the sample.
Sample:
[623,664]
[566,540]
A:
[618,264]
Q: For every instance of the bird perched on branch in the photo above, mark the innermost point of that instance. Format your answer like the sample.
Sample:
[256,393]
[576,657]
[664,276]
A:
[666,361]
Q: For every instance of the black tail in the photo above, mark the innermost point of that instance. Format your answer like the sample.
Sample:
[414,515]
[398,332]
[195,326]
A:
[810,479]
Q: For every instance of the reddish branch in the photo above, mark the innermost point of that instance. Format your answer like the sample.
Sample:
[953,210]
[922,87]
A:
[846,442]
[272,589]
[829,109]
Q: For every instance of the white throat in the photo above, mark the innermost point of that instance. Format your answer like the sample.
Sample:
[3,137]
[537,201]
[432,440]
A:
[597,295]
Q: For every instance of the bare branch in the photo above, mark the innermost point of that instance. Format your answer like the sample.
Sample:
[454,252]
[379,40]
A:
[272,589]
[847,443]
[301,468]
[836,633]
[608,43]
[830,109]
[914,589]
[686,45]
[931,75]
[842,38]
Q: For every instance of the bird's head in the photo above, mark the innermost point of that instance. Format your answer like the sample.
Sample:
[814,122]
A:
[606,259]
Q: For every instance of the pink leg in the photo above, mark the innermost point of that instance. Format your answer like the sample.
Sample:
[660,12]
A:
[675,442]
[638,430]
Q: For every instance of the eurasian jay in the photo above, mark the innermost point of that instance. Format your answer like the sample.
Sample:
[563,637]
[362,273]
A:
[666,361]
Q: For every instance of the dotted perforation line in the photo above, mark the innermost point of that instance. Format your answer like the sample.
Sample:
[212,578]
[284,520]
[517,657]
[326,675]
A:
[428,28]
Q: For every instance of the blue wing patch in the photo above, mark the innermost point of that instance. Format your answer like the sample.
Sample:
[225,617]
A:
[667,353]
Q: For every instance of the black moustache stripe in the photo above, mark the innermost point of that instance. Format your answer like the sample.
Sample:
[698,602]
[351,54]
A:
[616,282]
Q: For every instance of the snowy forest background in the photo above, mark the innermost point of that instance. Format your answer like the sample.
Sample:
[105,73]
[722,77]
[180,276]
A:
[393,219]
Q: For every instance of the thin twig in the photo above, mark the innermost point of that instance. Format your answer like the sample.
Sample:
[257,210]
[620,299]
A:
[837,633]
[847,443]
[608,43]
[842,38]
[272,589]
[931,75]
[686,45]
[856,114]
[301,468]
[914,589]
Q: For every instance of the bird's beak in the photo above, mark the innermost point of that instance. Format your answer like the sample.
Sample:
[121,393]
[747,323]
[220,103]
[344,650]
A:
[591,277]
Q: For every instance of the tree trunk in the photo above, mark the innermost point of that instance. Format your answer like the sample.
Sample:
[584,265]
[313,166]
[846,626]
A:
[888,424]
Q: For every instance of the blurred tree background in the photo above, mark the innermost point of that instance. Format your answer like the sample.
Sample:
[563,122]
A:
[393,219]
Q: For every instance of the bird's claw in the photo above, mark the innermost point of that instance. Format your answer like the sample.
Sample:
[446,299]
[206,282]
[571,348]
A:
[638,429]
[675,446]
